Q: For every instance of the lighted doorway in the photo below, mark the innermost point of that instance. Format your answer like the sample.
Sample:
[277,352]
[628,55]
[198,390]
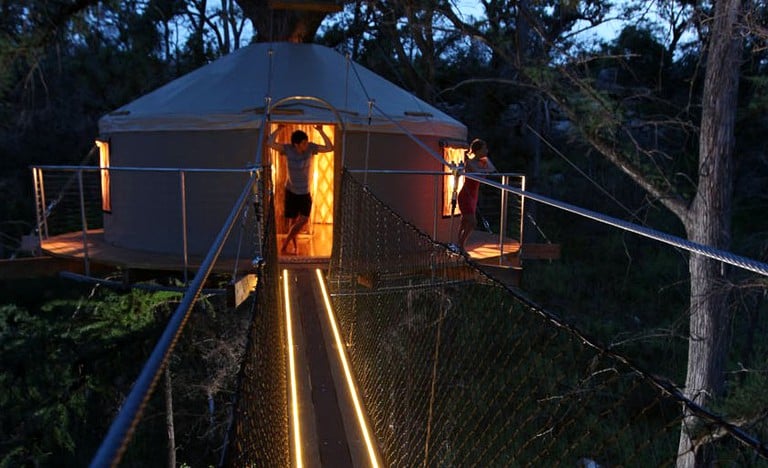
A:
[316,239]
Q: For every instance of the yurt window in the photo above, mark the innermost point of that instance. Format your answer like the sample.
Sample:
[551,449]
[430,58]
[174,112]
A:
[106,197]
[452,154]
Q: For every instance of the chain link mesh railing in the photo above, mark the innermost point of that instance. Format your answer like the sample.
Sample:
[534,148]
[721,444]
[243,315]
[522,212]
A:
[455,369]
[259,432]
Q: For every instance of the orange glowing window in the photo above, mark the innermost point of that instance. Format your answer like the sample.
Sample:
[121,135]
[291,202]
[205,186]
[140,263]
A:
[452,154]
[106,198]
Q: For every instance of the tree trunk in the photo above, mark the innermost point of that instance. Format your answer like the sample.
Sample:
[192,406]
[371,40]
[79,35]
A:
[274,21]
[709,223]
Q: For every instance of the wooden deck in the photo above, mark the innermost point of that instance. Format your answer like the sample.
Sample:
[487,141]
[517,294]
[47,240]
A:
[66,253]
[484,247]
[506,264]
[71,246]
[314,247]
[68,250]
[501,261]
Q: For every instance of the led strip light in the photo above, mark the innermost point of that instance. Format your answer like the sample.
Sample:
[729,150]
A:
[347,373]
[292,370]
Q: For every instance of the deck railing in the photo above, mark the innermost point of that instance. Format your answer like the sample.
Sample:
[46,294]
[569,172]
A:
[499,213]
[71,199]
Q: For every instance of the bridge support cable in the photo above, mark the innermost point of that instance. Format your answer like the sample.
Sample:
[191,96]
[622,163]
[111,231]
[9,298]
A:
[120,432]
[413,137]
[254,198]
[372,104]
[693,247]
[368,141]
[581,172]
[457,171]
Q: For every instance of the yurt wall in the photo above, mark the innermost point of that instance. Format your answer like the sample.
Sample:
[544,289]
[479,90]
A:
[146,209]
[415,197]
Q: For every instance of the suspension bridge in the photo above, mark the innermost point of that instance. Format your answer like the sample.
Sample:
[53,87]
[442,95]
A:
[379,343]
[398,350]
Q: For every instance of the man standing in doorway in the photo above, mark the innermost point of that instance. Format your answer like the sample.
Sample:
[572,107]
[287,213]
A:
[299,154]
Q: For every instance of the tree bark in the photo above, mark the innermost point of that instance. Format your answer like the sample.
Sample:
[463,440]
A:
[285,25]
[709,223]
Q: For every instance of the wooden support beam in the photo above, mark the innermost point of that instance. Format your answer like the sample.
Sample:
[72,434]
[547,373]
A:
[38,267]
[240,289]
[540,251]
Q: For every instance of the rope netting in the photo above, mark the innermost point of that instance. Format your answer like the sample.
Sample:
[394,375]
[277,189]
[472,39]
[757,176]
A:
[456,369]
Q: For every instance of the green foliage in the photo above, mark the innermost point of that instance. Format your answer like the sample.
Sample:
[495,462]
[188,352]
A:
[62,66]
[747,399]
[759,102]
[69,358]
[60,365]
[644,59]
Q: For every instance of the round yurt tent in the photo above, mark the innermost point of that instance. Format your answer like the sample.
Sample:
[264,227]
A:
[211,118]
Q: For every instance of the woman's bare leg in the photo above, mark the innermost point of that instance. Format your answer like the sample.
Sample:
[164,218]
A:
[465,229]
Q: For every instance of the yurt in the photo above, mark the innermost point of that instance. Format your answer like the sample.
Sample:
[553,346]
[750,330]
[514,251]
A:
[178,157]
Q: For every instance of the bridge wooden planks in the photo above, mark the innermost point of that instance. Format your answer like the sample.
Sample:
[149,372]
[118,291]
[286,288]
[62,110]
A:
[328,416]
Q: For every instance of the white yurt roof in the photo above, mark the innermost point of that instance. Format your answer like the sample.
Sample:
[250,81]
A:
[232,92]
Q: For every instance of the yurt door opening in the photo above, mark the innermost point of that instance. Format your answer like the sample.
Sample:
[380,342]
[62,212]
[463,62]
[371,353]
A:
[315,239]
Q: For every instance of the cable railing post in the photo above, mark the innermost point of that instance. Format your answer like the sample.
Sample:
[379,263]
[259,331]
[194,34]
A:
[42,219]
[522,219]
[44,203]
[84,223]
[503,219]
[185,251]
[436,181]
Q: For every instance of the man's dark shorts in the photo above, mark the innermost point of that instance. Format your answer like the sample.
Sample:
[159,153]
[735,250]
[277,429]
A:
[296,205]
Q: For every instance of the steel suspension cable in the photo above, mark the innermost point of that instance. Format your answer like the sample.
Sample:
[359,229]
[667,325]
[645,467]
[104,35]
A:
[711,252]
[413,137]
[424,146]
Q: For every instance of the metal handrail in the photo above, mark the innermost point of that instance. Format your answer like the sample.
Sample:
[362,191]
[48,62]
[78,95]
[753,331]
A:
[43,212]
[739,261]
[144,169]
[440,173]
